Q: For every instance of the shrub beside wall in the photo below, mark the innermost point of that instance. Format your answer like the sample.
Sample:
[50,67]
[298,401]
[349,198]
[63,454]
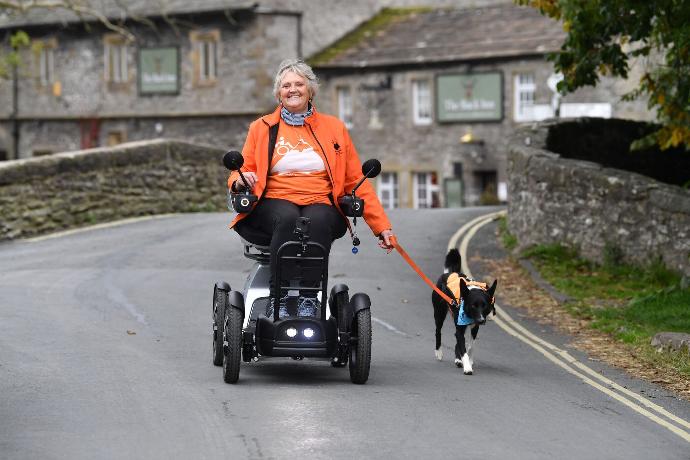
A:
[592,208]
[72,189]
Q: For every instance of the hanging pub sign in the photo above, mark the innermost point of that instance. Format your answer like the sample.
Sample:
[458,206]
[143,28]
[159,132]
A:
[469,97]
[159,70]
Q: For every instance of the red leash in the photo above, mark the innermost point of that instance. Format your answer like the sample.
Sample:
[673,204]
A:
[415,267]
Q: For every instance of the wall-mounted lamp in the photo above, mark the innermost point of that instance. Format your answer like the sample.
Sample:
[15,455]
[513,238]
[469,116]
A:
[469,138]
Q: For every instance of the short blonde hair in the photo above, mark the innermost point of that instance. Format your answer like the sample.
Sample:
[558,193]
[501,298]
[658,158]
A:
[302,69]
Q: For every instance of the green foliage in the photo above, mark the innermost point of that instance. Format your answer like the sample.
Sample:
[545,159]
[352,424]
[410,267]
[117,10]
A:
[630,303]
[17,41]
[509,240]
[603,36]
[590,282]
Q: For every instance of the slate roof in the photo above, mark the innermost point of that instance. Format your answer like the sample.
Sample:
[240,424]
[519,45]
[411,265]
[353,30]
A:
[122,9]
[453,36]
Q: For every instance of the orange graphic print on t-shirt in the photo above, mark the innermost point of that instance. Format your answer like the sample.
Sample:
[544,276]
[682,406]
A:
[298,171]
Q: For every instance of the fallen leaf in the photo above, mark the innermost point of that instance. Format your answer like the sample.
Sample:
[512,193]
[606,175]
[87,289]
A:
[131,332]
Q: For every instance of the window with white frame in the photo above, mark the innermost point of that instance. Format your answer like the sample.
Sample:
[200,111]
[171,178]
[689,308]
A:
[207,60]
[344,96]
[45,60]
[426,191]
[205,49]
[387,189]
[421,102]
[524,97]
[116,66]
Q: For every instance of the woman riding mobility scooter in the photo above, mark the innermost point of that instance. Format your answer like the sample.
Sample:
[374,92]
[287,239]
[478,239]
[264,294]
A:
[267,320]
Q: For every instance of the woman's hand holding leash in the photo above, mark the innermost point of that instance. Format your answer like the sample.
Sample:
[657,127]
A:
[386,239]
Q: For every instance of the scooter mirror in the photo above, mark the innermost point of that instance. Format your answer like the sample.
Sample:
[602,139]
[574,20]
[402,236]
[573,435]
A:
[371,168]
[233,160]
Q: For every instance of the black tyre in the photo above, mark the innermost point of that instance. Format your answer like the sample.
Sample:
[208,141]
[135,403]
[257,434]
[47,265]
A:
[360,349]
[233,345]
[220,303]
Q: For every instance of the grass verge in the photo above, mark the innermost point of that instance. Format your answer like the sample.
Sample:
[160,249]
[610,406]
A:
[630,303]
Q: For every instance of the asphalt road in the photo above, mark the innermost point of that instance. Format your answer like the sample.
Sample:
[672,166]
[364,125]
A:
[105,352]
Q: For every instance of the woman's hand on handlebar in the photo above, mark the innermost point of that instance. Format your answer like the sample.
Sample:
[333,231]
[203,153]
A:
[386,238]
[251,180]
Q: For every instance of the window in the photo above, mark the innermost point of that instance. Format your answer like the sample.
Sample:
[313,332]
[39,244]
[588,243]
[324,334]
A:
[421,102]
[345,105]
[205,55]
[525,90]
[425,190]
[387,185]
[115,62]
[114,138]
[45,61]
[47,66]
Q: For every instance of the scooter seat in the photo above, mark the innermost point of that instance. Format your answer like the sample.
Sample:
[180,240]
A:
[256,252]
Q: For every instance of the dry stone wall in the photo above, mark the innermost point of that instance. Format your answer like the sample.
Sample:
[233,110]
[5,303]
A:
[592,208]
[67,190]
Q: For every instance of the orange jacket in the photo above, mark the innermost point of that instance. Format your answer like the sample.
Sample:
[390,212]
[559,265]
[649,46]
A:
[342,163]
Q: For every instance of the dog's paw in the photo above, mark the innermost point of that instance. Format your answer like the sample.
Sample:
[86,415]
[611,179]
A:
[458,363]
[466,365]
[439,354]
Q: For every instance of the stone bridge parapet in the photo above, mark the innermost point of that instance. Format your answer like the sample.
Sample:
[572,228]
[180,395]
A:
[592,208]
[73,189]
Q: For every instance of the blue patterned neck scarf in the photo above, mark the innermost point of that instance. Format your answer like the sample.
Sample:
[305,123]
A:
[295,119]
[463,319]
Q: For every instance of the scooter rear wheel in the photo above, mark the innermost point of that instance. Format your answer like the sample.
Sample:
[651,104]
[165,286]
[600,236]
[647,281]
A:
[220,302]
[360,350]
[232,345]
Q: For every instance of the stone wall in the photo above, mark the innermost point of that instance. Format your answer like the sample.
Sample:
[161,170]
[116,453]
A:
[592,208]
[66,190]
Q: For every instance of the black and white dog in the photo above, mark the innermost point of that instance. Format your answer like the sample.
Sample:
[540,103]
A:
[475,303]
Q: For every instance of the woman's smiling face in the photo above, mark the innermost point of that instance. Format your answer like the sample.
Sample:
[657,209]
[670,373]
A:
[294,92]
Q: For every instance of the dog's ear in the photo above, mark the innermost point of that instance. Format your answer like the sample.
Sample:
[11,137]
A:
[464,291]
[492,289]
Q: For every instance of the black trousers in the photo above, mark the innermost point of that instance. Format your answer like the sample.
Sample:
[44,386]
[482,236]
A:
[272,223]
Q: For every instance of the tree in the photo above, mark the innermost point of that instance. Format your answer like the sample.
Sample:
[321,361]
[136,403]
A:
[604,36]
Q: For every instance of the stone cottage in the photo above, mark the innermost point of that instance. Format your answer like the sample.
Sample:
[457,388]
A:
[435,95]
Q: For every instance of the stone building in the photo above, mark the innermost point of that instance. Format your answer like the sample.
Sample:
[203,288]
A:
[435,95]
[199,70]
[199,76]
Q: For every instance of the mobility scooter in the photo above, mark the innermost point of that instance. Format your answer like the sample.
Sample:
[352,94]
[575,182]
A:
[276,321]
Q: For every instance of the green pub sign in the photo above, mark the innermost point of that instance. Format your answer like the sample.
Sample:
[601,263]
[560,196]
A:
[159,70]
[469,97]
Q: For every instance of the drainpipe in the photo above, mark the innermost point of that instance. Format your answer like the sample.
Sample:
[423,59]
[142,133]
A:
[15,111]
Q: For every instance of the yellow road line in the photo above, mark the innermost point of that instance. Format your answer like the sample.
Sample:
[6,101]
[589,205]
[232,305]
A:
[561,357]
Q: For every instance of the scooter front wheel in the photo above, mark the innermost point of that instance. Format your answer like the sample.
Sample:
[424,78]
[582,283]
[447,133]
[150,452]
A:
[220,303]
[360,349]
[232,346]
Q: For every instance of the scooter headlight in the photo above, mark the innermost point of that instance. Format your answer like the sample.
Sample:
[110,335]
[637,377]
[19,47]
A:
[291,332]
[308,333]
